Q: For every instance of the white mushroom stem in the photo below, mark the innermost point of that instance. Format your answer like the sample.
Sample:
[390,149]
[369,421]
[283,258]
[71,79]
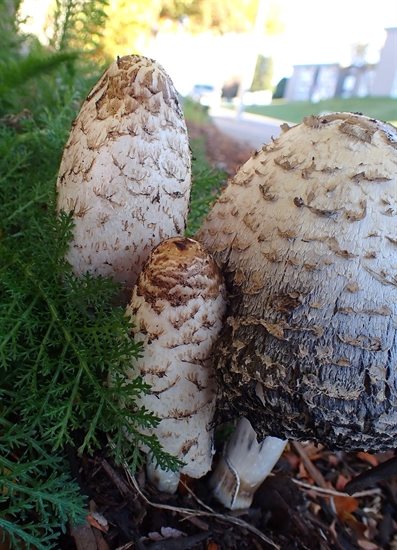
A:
[244,465]
[166,481]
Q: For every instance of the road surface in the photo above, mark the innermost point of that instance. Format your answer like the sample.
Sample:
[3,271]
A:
[252,129]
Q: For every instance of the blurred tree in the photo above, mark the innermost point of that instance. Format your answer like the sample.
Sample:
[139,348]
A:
[230,88]
[130,25]
[274,23]
[263,74]
[234,15]
[281,86]
[9,26]
[24,61]
[359,54]
[78,25]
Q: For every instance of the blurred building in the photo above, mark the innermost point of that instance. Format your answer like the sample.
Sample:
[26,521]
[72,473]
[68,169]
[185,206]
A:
[314,82]
[385,81]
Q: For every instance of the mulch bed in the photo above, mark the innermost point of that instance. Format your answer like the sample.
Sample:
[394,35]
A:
[302,505]
[223,152]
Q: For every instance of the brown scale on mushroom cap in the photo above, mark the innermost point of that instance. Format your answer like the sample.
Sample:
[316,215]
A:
[305,234]
[179,270]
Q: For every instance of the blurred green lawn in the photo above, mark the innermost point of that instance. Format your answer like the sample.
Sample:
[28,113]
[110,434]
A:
[382,108]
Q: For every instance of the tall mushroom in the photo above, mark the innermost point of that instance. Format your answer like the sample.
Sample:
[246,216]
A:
[125,174]
[306,237]
[177,307]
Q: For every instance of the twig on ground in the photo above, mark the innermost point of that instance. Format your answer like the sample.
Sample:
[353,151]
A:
[196,498]
[193,512]
[121,485]
[310,467]
[333,492]
[381,472]
[189,511]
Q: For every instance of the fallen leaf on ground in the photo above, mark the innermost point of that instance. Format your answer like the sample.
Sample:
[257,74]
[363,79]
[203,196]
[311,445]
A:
[84,537]
[98,521]
[345,505]
[368,545]
[341,482]
[367,457]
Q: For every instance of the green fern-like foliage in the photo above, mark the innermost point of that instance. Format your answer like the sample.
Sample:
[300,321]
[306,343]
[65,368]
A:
[206,186]
[9,37]
[17,72]
[62,340]
[33,486]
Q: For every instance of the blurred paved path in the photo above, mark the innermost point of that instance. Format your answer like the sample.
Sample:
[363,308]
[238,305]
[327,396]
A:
[255,130]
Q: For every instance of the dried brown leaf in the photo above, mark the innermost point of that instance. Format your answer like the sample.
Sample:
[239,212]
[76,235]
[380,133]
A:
[345,506]
[367,457]
[97,520]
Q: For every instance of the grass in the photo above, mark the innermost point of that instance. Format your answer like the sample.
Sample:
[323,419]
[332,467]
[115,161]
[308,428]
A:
[382,108]
[194,112]
[205,188]
[206,181]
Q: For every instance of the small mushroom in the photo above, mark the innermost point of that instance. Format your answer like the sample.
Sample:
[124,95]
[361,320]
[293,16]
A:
[305,235]
[125,174]
[177,307]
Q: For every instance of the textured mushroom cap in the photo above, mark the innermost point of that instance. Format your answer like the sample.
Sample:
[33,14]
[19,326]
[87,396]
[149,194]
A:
[177,306]
[125,173]
[306,237]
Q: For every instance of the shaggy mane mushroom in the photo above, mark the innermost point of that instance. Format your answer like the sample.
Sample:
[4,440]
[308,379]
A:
[177,307]
[125,174]
[305,235]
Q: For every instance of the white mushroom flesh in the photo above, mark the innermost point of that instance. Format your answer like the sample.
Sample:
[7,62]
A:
[244,465]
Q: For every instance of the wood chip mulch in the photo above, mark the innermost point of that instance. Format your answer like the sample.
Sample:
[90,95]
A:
[222,151]
[304,504]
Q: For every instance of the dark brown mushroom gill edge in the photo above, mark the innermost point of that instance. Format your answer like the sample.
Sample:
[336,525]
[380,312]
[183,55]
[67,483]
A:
[306,237]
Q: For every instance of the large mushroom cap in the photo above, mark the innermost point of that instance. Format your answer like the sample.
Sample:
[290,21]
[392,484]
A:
[306,236]
[125,173]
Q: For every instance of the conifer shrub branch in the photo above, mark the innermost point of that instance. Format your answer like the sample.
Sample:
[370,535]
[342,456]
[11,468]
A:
[37,497]
[61,341]
[75,341]
[16,72]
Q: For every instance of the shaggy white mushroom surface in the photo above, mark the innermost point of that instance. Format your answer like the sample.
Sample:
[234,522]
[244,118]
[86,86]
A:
[306,237]
[125,174]
[177,307]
